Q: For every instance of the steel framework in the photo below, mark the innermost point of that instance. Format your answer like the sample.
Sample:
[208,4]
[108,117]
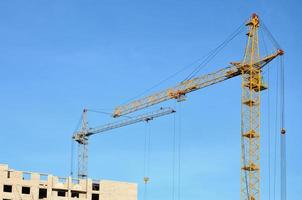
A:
[250,71]
[250,115]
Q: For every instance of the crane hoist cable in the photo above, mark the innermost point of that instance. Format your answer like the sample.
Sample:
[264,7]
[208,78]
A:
[147,147]
[173,156]
[176,152]
[278,113]
[275,133]
[265,30]
[283,133]
[147,152]
[179,151]
[268,117]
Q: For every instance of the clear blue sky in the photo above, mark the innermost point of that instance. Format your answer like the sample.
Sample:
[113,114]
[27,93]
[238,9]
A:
[58,56]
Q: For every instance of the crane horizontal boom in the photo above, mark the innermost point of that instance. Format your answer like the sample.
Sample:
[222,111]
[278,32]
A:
[179,91]
[83,135]
[144,117]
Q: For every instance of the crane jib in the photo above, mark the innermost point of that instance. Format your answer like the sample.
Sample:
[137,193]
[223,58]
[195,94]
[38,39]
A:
[145,117]
[179,91]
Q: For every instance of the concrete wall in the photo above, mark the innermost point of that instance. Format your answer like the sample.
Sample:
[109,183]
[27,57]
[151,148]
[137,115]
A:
[15,184]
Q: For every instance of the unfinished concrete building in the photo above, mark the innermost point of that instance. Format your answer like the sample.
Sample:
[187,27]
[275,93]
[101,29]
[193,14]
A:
[21,185]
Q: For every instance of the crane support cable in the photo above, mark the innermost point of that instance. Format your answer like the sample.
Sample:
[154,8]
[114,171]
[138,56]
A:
[204,60]
[105,113]
[214,52]
[283,133]
[270,35]
[99,111]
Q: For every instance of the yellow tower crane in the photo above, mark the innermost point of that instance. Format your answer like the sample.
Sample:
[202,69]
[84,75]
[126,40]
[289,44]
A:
[250,69]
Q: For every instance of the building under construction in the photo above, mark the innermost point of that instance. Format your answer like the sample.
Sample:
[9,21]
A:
[22,185]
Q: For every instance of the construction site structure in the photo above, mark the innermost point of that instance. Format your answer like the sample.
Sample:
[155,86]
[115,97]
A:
[250,69]
[21,185]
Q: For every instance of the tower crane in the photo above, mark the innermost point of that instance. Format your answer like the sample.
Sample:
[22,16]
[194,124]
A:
[82,136]
[250,69]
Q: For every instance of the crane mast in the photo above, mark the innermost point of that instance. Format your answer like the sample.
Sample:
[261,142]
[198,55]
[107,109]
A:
[82,136]
[250,115]
[250,69]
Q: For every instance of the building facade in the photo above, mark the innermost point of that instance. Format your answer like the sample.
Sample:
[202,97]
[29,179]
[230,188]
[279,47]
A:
[21,185]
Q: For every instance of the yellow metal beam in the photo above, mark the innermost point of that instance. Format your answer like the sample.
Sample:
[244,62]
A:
[179,91]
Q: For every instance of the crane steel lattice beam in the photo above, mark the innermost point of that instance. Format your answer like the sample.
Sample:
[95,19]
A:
[179,91]
[81,137]
[250,115]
